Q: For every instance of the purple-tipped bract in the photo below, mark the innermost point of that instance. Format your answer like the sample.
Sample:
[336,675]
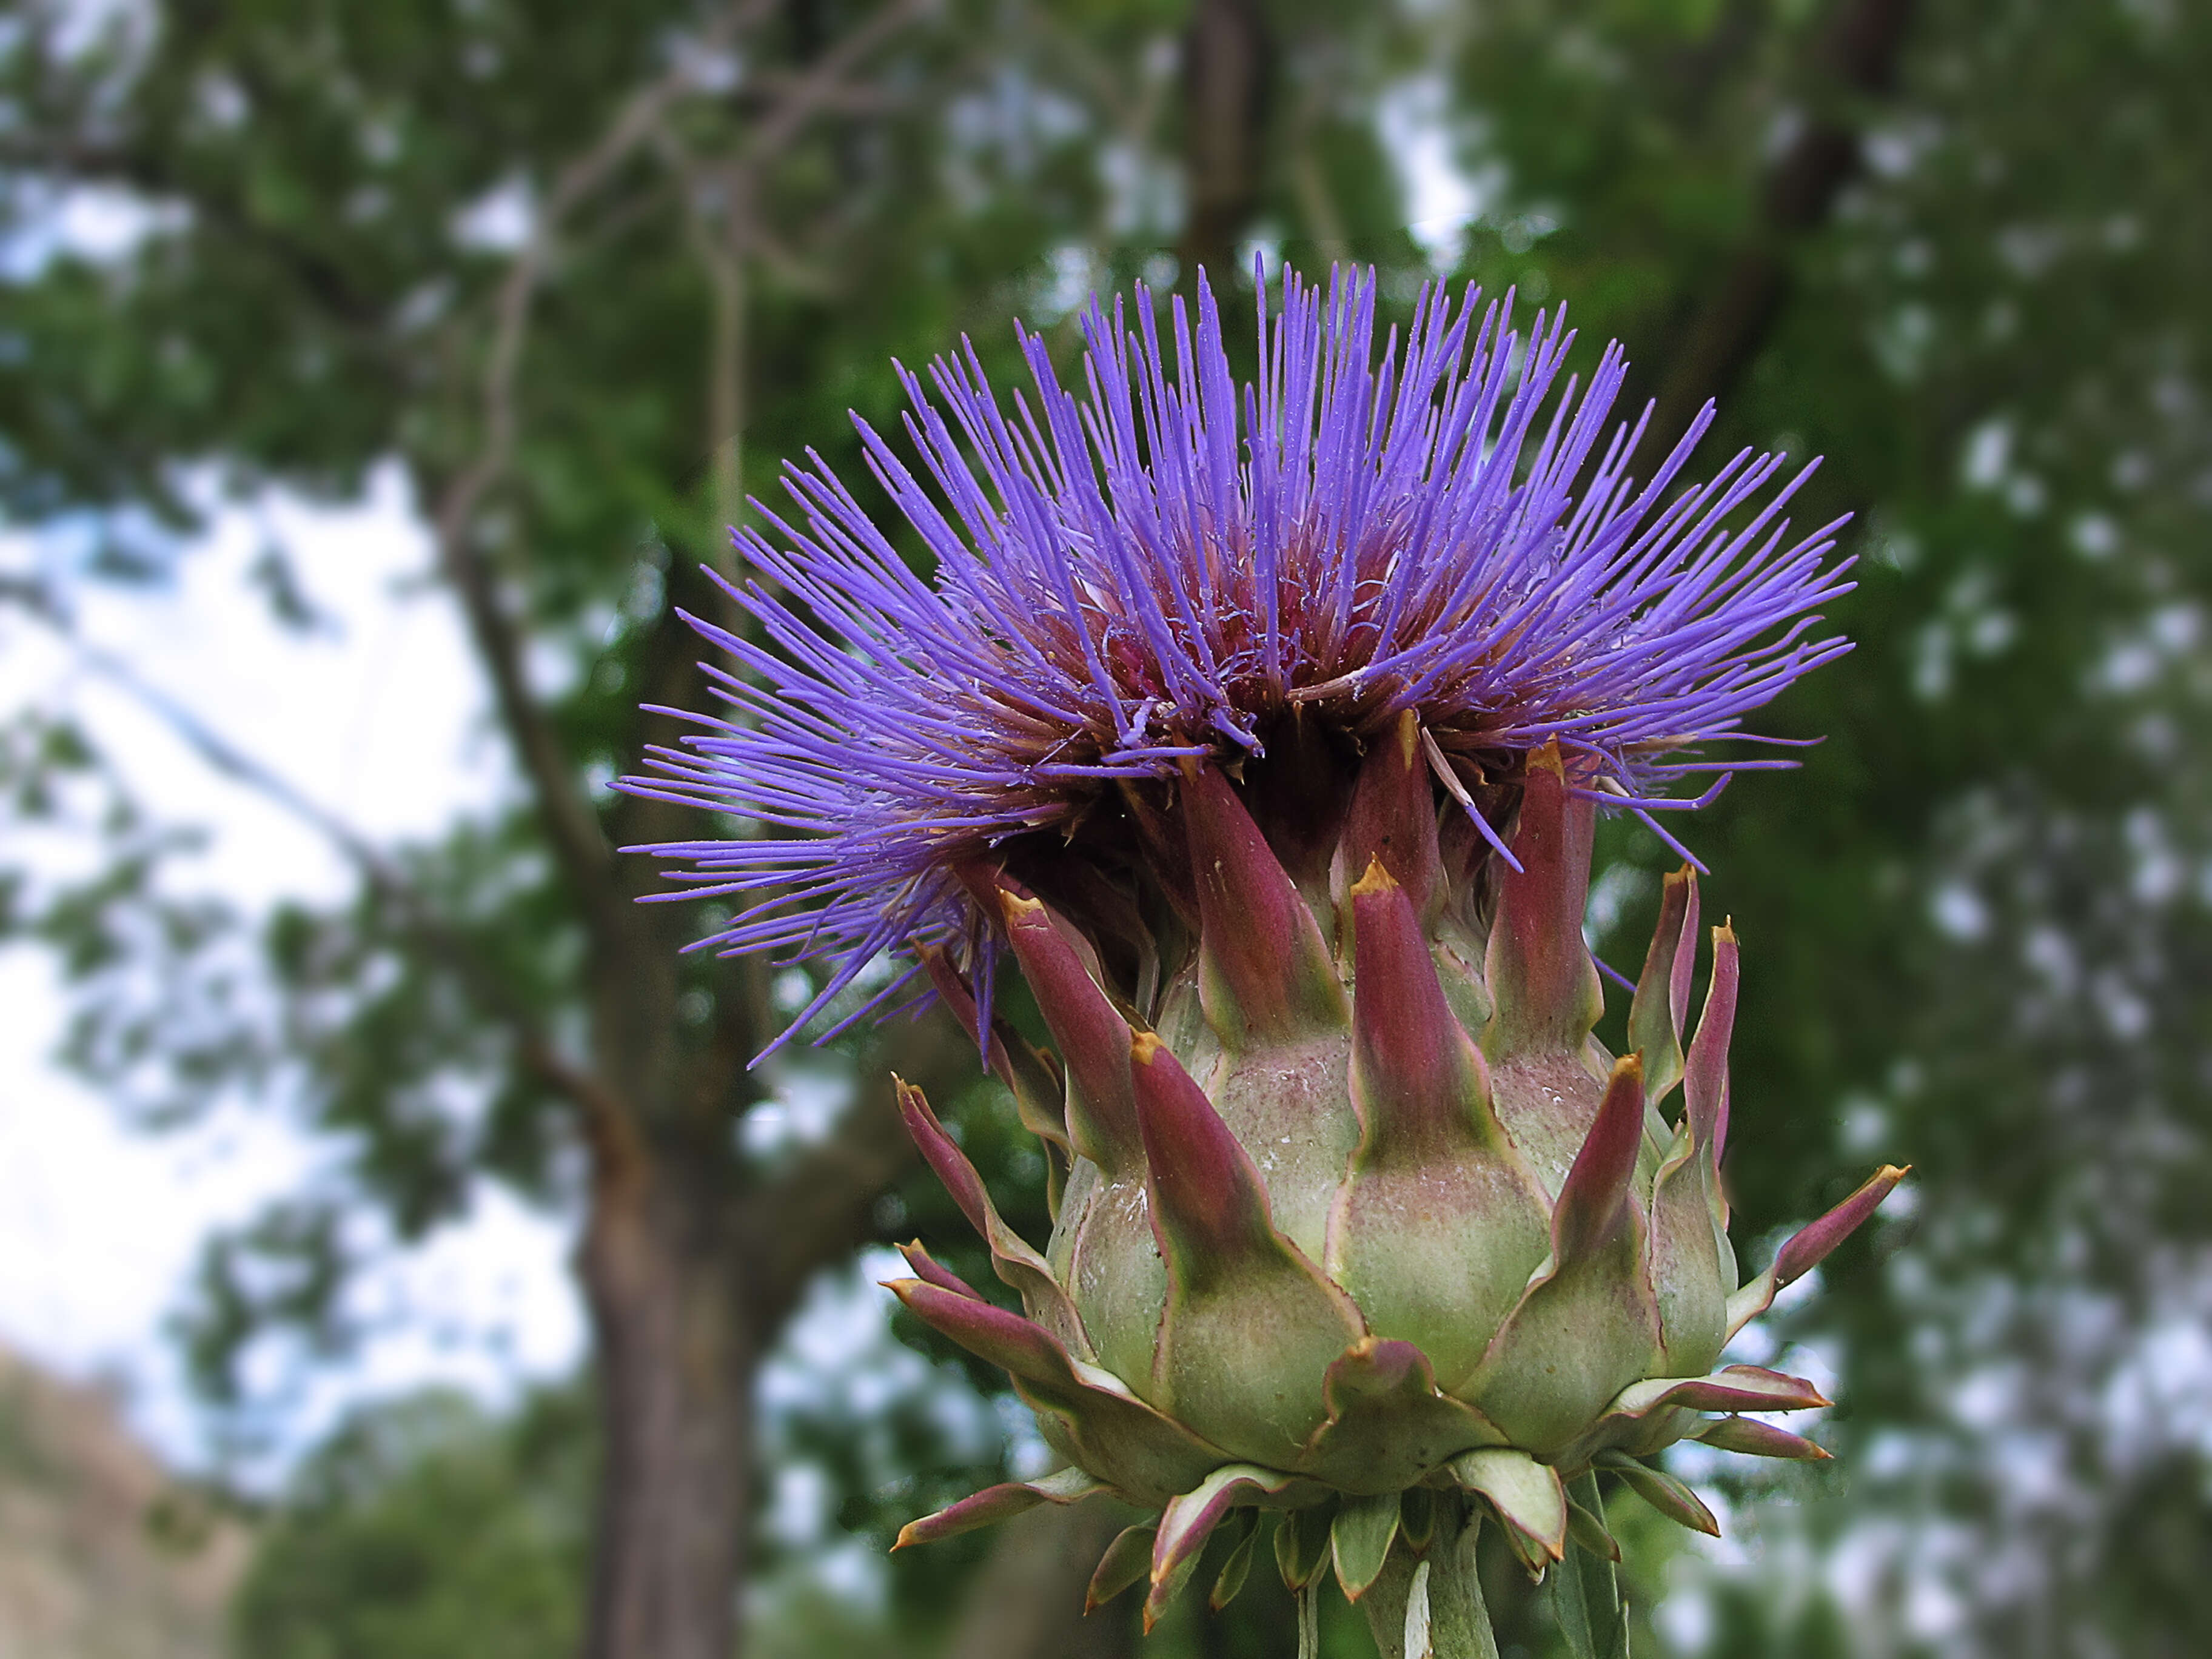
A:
[1176,567]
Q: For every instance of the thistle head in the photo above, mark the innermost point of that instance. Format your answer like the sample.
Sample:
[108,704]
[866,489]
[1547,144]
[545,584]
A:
[1265,727]
[1175,574]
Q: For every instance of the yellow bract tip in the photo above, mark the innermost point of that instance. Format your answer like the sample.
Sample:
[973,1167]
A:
[1376,879]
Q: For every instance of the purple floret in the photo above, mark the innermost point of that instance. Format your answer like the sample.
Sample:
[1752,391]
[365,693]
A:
[1161,569]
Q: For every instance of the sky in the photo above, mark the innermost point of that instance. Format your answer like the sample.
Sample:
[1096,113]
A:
[379,719]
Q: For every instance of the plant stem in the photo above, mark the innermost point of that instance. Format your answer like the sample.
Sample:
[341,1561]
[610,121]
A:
[1586,1590]
[1432,1607]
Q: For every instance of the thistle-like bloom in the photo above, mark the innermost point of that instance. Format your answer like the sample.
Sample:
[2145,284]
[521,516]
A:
[1266,725]
[1182,570]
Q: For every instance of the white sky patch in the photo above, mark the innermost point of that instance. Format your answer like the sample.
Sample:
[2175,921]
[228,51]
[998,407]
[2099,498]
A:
[382,721]
[97,1224]
[498,221]
[94,223]
[1444,199]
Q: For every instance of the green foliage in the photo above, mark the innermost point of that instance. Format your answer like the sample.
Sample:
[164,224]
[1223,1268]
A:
[331,203]
[1975,930]
[427,1529]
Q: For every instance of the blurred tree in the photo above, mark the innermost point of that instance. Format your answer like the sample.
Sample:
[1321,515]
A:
[1977,925]
[572,271]
[567,271]
[423,1529]
[563,267]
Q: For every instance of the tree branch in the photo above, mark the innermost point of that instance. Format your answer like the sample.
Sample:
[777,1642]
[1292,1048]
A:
[821,1209]
[570,823]
[817,87]
[602,1110]
[1858,61]
[1226,70]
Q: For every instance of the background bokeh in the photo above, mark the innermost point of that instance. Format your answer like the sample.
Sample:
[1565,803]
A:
[375,378]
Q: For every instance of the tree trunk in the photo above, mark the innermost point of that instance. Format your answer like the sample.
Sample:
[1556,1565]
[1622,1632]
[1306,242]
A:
[676,1359]
[691,1266]
[1026,1602]
[1225,71]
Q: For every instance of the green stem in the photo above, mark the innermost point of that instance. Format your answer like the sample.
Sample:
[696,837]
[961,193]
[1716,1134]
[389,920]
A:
[1586,1590]
[1432,1608]
[1309,1624]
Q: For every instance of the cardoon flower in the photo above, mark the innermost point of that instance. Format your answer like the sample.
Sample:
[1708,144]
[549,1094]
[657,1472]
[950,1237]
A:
[1264,726]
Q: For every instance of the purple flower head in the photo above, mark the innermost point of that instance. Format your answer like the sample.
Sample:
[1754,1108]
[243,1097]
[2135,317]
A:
[1175,569]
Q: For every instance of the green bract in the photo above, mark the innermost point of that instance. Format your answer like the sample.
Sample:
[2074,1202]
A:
[1356,1216]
